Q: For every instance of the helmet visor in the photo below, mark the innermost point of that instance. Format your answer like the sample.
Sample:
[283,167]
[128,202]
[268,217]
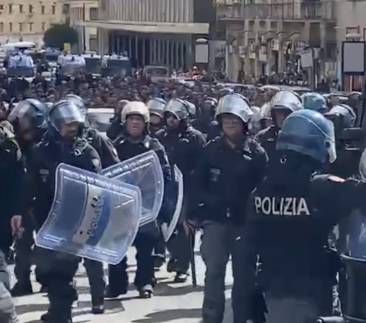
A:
[65,113]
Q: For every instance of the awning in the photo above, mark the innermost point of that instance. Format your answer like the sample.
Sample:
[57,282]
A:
[149,27]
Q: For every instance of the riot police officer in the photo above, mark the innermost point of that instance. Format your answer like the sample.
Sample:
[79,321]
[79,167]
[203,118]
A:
[282,105]
[290,217]
[108,156]
[12,207]
[230,168]
[29,121]
[63,143]
[134,141]
[314,101]
[184,146]
[205,121]
[156,108]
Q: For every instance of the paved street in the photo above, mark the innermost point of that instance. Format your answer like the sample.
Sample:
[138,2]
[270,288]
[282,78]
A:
[173,303]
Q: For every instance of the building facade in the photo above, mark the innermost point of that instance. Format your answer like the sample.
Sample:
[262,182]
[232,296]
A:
[77,12]
[28,19]
[268,36]
[158,32]
[351,24]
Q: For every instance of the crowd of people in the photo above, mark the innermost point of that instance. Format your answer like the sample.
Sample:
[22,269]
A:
[255,164]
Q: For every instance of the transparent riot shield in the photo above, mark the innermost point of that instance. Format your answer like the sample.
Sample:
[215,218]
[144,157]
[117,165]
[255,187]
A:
[92,216]
[143,171]
[176,201]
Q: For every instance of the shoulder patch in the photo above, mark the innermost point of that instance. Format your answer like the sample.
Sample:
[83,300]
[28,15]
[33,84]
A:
[336,179]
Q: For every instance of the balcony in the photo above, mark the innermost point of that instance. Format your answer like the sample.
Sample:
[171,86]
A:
[278,11]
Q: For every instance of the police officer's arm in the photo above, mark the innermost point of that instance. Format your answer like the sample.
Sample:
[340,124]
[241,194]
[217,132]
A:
[337,195]
[17,206]
[258,165]
[201,198]
[168,181]
[89,160]
[196,151]
[31,189]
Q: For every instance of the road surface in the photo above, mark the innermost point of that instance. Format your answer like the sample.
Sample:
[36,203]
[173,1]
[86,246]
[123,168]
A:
[172,303]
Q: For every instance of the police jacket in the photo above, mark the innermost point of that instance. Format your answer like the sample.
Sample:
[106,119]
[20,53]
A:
[289,220]
[46,156]
[103,146]
[115,129]
[225,177]
[127,149]
[268,138]
[12,173]
[184,148]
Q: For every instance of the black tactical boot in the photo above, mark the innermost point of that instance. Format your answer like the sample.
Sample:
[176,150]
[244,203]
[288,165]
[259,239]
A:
[22,289]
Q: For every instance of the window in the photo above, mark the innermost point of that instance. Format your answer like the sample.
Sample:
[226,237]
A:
[1,7]
[10,26]
[43,10]
[20,26]
[43,26]
[30,8]
[1,27]
[10,8]
[93,43]
[93,13]
[31,26]
[53,10]
[20,8]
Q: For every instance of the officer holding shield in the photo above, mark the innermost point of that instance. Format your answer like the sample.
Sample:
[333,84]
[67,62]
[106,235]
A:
[133,141]
[108,156]
[63,143]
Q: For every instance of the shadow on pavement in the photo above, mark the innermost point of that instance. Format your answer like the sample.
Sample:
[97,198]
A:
[170,315]
[164,289]
[22,309]
[110,306]
[39,321]
[82,289]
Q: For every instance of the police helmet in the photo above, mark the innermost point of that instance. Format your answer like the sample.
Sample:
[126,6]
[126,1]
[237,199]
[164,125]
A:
[156,106]
[64,112]
[286,100]
[342,116]
[314,101]
[135,108]
[30,109]
[225,91]
[234,104]
[181,109]
[309,133]
[79,102]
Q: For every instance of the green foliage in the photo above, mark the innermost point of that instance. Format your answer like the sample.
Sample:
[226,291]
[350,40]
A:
[57,35]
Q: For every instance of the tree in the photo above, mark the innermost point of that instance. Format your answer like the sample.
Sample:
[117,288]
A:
[57,35]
